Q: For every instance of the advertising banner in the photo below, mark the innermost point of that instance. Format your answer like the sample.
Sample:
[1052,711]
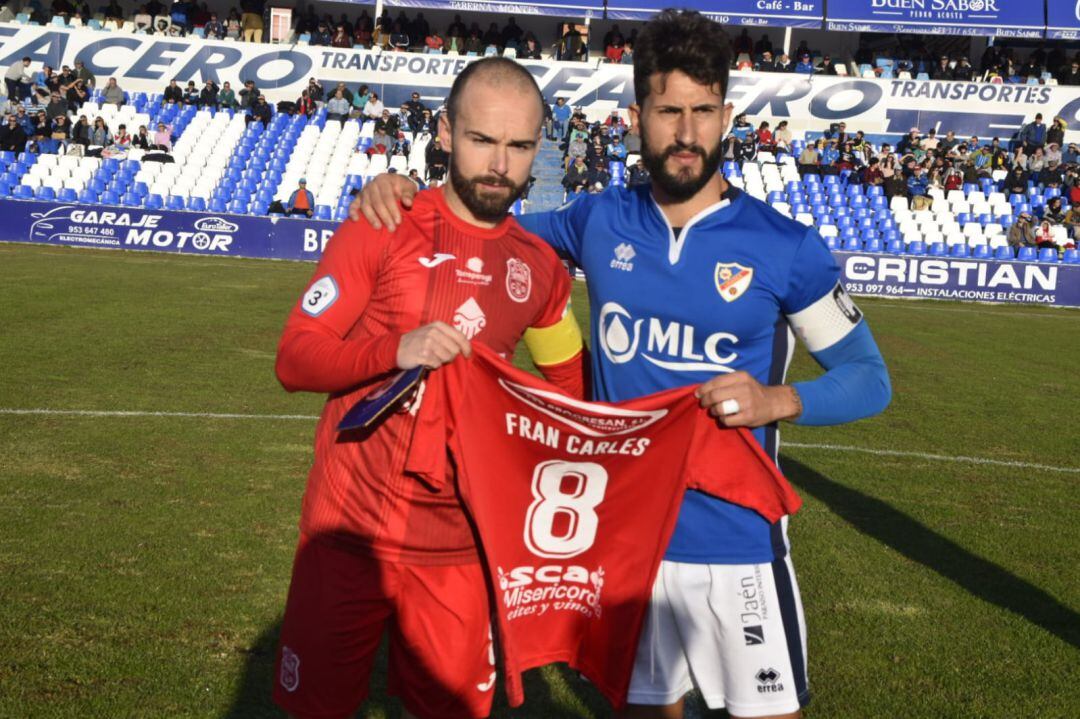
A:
[1003,18]
[783,13]
[146,64]
[1063,19]
[566,8]
[949,278]
[123,228]
[227,235]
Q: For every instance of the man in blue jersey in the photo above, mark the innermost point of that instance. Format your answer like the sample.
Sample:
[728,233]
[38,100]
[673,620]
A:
[692,281]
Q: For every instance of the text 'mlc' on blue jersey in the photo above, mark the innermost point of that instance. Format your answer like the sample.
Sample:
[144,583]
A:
[728,293]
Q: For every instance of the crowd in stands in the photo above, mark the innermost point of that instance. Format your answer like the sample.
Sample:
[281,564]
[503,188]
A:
[1054,62]
[1036,162]
[592,150]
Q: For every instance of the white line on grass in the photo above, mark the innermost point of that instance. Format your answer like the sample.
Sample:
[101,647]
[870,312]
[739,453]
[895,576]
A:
[986,310]
[312,418]
[933,457]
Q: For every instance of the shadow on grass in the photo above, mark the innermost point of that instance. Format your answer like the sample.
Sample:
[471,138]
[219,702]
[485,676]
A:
[980,577]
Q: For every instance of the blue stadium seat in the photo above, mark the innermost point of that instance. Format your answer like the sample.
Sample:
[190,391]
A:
[45,193]
[141,189]
[981,252]
[1004,253]
[852,244]
[155,202]
[130,199]
[175,202]
[845,223]
[832,243]
[938,249]
[218,205]
[1071,257]
[917,248]
[963,218]
[323,212]
[1048,254]
[97,185]
[985,219]
[238,207]
[88,196]
[110,198]
[873,245]
[858,202]
[875,191]
[1026,254]
[198,204]
[959,251]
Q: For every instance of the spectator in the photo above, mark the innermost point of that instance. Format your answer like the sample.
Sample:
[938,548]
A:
[1071,154]
[233,28]
[1070,75]
[613,44]
[1044,236]
[632,140]
[741,127]
[381,142]
[249,96]
[316,91]
[76,95]
[44,83]
[122,137]
[143,20]
[360,100]
[415,177]
[1021,234]
[338,107]
[576,149]
[827,67]
[399,38]
[261,111]
[908,142]
[1016,181]
[214,28]
[577,174]
[1054,212]
[512,34]
[764,136]
[208,97]
[918,183]
[12,136]
[99,134]
[390,124]
[374,107]
[56,106]
[782,137]
[419,28]
[301,201]
[227,98]
[1055,134]
[560,117]
[573,46]
[941,71]
[766,63]
[1071,221]
[142,139]
[434,43]
[599,178]
[113,94]
[191,94]
[174,94]
[87,77]
[805,65]
[341,38]
[305,105]
[616,150]
[163,137]
[638,175]
[436,159]
[252,23]
[1051,175]
[808,159]
[1037,161]
[1033,135]
[873,175]
[321,36]
[456,33]
[80,131]
[963,70]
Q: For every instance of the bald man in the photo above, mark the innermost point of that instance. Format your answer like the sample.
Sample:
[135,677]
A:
[380,552]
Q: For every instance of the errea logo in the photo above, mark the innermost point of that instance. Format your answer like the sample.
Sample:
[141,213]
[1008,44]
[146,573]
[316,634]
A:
[624,252]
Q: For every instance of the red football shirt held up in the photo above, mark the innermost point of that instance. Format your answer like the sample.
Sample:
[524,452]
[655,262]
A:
[369,289]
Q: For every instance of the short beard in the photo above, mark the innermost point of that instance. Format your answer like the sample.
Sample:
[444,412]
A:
[486,208]
[684,185]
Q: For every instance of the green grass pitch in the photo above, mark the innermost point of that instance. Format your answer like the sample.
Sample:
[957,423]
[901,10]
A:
[144,560]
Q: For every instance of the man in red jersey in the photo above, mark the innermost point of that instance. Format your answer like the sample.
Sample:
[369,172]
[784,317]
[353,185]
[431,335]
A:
[379,550]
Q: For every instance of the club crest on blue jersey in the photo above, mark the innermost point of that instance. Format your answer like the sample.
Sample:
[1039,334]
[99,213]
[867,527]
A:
[732,280]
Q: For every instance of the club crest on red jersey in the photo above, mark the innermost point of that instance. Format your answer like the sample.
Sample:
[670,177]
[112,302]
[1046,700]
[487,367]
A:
[518,280]
[732,280]
[290,670]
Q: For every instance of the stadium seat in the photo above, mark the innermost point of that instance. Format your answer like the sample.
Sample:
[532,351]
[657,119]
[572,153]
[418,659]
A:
[218,205]
[175,202]
[45,193]
[23,192]
[1004,253]
[1071,257]
[981,252]
[130,199]
[852,244]
[154,202]
[873,245]
[110,198]
[1026,254]
[937,249]
[959,250]
[323,212]
[1048,254]
[198,204]
[917,248]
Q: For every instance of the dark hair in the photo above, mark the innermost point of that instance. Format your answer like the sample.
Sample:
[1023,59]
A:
[682,40]
[499,67]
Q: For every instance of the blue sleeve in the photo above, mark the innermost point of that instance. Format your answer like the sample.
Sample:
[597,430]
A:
[855,384]
[813,272]
[563,228]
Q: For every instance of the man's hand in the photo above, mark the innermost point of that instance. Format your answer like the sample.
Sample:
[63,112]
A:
[432,346]
[378,201]
[739,400]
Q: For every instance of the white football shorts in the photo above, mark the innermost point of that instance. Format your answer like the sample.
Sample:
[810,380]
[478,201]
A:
[736,631]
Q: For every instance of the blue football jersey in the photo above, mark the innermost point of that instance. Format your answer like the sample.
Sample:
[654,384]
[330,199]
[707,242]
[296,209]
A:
[670,310]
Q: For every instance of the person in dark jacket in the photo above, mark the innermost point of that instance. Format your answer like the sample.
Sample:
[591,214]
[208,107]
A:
[12,137]
[174,94]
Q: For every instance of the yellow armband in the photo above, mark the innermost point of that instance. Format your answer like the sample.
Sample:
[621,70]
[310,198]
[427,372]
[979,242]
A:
[557,343]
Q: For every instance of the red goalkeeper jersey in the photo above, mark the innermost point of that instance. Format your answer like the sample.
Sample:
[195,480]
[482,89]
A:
[575,502]
[342,336]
